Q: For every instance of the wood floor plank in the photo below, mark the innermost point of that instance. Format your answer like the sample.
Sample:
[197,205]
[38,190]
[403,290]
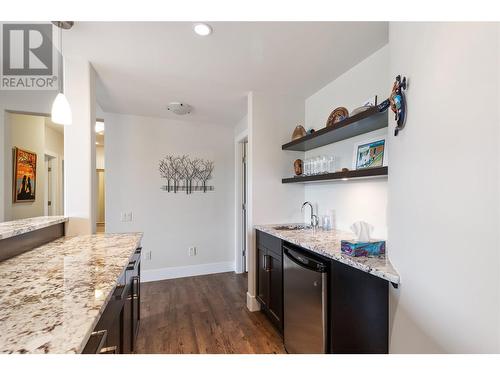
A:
[203,314]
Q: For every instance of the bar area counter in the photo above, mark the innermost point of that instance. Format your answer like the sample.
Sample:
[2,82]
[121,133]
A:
[53,295]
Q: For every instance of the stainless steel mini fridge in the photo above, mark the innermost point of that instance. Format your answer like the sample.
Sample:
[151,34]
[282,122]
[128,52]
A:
[305,302]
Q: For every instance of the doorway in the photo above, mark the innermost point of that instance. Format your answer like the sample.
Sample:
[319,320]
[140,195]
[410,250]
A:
[101,204]
[100,177]
[49,200]
[241,184]
[34,134]
[244,205]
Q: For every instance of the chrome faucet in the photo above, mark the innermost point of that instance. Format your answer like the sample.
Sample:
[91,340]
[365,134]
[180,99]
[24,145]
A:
[314,218]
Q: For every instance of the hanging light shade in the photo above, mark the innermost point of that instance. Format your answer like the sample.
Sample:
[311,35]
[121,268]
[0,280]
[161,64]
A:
[61,111]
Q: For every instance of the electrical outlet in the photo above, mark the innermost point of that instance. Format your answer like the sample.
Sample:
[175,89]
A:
[192,251]
[123,216]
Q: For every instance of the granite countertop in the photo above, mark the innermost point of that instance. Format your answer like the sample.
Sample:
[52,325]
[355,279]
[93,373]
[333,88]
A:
[327,243]
[17,227]
[53,296]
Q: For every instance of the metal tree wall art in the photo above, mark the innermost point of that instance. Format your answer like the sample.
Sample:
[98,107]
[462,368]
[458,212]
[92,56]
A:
[185,174]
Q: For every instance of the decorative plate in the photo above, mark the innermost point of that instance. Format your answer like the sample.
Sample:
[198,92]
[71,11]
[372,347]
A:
[337,115]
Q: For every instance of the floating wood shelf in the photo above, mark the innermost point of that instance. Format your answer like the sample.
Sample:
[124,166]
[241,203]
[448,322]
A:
[361,173]
[364,122]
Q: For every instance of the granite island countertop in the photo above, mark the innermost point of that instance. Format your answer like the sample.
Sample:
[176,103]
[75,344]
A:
[327,243]
[17,227]
[53,296]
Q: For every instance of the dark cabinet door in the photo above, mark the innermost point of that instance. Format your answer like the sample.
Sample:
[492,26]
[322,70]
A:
[359,304]
[128,307]
[127,323]
[275,303]
[134,298]
[270,277]
[263,277]
[107,337]
[117,329]
[135,308]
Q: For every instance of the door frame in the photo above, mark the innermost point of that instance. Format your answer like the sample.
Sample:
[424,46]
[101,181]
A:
[238,185]
[56,198]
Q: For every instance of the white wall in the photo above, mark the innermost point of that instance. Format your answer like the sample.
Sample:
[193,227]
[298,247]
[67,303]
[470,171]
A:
[271,121]
[241,126]
[80,198]
[171,222]
[351,200]
[444,190]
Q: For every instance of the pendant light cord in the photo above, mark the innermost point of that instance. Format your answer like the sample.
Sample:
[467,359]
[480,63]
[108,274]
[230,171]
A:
[61,82]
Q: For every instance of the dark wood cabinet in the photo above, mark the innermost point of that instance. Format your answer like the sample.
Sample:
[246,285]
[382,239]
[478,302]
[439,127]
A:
[275,302]
[270,277]
[263,276]
[357,302]
[116,331]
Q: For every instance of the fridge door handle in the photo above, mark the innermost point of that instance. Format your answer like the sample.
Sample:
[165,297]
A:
[299,261]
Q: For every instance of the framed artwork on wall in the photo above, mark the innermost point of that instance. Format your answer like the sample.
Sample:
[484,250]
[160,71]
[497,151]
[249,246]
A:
[24,182]
[370,154]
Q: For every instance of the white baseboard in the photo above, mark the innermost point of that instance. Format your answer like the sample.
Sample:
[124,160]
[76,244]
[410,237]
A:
[252,303]
[185,271]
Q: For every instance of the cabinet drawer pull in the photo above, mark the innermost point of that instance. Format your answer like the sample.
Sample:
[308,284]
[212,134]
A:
[267,263]
[135,285]
[119,292]
[109,350]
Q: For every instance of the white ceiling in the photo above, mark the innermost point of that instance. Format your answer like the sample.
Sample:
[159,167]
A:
[142,66]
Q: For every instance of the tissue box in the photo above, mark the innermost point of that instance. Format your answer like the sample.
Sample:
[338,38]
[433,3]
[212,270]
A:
[362,249]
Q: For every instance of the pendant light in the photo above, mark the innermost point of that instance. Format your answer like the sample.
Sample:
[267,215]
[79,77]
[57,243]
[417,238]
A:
[61,110]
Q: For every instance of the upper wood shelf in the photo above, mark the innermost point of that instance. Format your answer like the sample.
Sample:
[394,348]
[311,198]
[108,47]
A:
[364,122]
[355,174]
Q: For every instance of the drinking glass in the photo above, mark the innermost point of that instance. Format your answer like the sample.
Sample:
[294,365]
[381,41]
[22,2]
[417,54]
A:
[331,164]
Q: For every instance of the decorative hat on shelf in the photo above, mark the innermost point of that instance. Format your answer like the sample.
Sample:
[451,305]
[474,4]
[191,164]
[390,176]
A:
[299,132]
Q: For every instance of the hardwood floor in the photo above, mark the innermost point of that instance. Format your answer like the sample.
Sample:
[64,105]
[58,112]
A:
[203,314]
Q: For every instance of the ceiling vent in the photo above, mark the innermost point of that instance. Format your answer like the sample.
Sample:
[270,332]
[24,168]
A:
[179,108]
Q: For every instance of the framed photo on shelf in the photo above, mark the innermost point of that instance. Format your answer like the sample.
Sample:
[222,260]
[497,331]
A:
[370,153]
[24,184]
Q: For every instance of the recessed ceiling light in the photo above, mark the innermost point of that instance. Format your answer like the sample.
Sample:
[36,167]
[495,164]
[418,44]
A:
[202,29]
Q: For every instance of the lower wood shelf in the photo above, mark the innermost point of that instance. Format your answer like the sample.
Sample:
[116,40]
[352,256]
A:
[361,173]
